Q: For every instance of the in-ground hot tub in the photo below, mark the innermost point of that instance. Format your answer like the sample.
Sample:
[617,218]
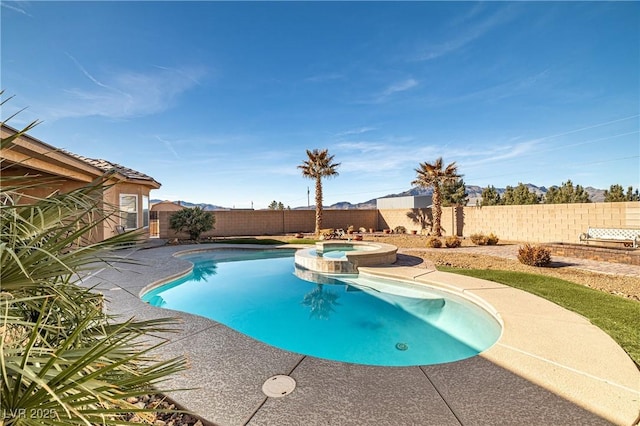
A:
[342,257]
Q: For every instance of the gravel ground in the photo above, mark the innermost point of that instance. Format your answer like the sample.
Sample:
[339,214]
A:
[625,286]
[161,418]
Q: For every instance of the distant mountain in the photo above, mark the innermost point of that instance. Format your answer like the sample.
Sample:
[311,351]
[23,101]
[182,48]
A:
[474,191]
[203,206]
[596,195]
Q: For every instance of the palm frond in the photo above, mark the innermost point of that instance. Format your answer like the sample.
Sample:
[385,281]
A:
[59,351]
[78,378]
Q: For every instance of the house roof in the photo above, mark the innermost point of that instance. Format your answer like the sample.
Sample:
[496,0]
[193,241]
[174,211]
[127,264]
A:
[31,152]
[107,166]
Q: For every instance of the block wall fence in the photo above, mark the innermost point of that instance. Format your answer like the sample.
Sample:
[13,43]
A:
[540,223]
[275,222]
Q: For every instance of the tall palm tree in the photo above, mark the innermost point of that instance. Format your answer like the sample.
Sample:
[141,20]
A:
[434,176]
[320,164]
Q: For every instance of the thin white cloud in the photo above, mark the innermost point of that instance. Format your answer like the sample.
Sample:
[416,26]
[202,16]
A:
[319,78]
[356,131]
[508,89]
[466,32]
[86,73]
[13,5]
[191,76]
[125,94]
[400,86]
[386,156]
[392,89]
[169,147]
[363,147]
[501,153]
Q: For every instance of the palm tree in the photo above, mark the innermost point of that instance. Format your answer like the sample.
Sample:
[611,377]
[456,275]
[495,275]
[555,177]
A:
[321,302]
[434,176]
[320,164]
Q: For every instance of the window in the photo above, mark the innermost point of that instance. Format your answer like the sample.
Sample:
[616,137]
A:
[129,211]
[145,211]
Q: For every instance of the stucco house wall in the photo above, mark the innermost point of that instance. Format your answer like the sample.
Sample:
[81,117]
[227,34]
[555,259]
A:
[57,170]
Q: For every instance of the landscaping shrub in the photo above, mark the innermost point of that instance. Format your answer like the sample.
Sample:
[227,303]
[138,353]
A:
[492,239]
[434,242]
[400,230]
[534,255]
[479,239]
[194,221]
[452,241]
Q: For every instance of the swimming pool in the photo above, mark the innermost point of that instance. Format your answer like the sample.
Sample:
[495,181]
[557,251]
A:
[342,318]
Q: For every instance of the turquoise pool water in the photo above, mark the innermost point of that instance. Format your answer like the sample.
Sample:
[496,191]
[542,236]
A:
[342,318]
[339,251]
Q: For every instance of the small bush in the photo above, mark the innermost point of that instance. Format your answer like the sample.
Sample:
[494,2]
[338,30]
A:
[452,241]
[534,255]
[492,239]
[484,240]
[400,230]
[434,242]
[479,239]
[194,221]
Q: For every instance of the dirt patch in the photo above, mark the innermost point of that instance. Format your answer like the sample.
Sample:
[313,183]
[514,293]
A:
[620,285]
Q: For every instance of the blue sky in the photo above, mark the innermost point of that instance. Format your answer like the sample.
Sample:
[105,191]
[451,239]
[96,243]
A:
[218,101]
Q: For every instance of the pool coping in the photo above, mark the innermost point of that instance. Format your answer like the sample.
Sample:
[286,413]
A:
[378,254]
[596,381]
[548,346]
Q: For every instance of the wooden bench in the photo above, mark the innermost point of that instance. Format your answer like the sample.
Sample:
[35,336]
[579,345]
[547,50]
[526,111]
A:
[629,237]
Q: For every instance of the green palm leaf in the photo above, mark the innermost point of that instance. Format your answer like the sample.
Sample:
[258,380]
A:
[60,353]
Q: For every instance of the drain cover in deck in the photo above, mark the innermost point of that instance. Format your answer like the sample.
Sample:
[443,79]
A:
[278,386]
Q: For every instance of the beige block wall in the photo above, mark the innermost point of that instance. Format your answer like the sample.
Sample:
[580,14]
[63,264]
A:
[549,222]
[274,222]
[345,218]
[532,223]
[419,219]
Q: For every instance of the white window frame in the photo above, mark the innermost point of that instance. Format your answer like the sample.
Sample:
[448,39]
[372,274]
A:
[123,219]
[146,208]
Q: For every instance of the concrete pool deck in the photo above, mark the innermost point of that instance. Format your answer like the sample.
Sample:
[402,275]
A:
[550,367]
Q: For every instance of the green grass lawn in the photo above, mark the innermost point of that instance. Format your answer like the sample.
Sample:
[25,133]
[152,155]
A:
[617,316]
